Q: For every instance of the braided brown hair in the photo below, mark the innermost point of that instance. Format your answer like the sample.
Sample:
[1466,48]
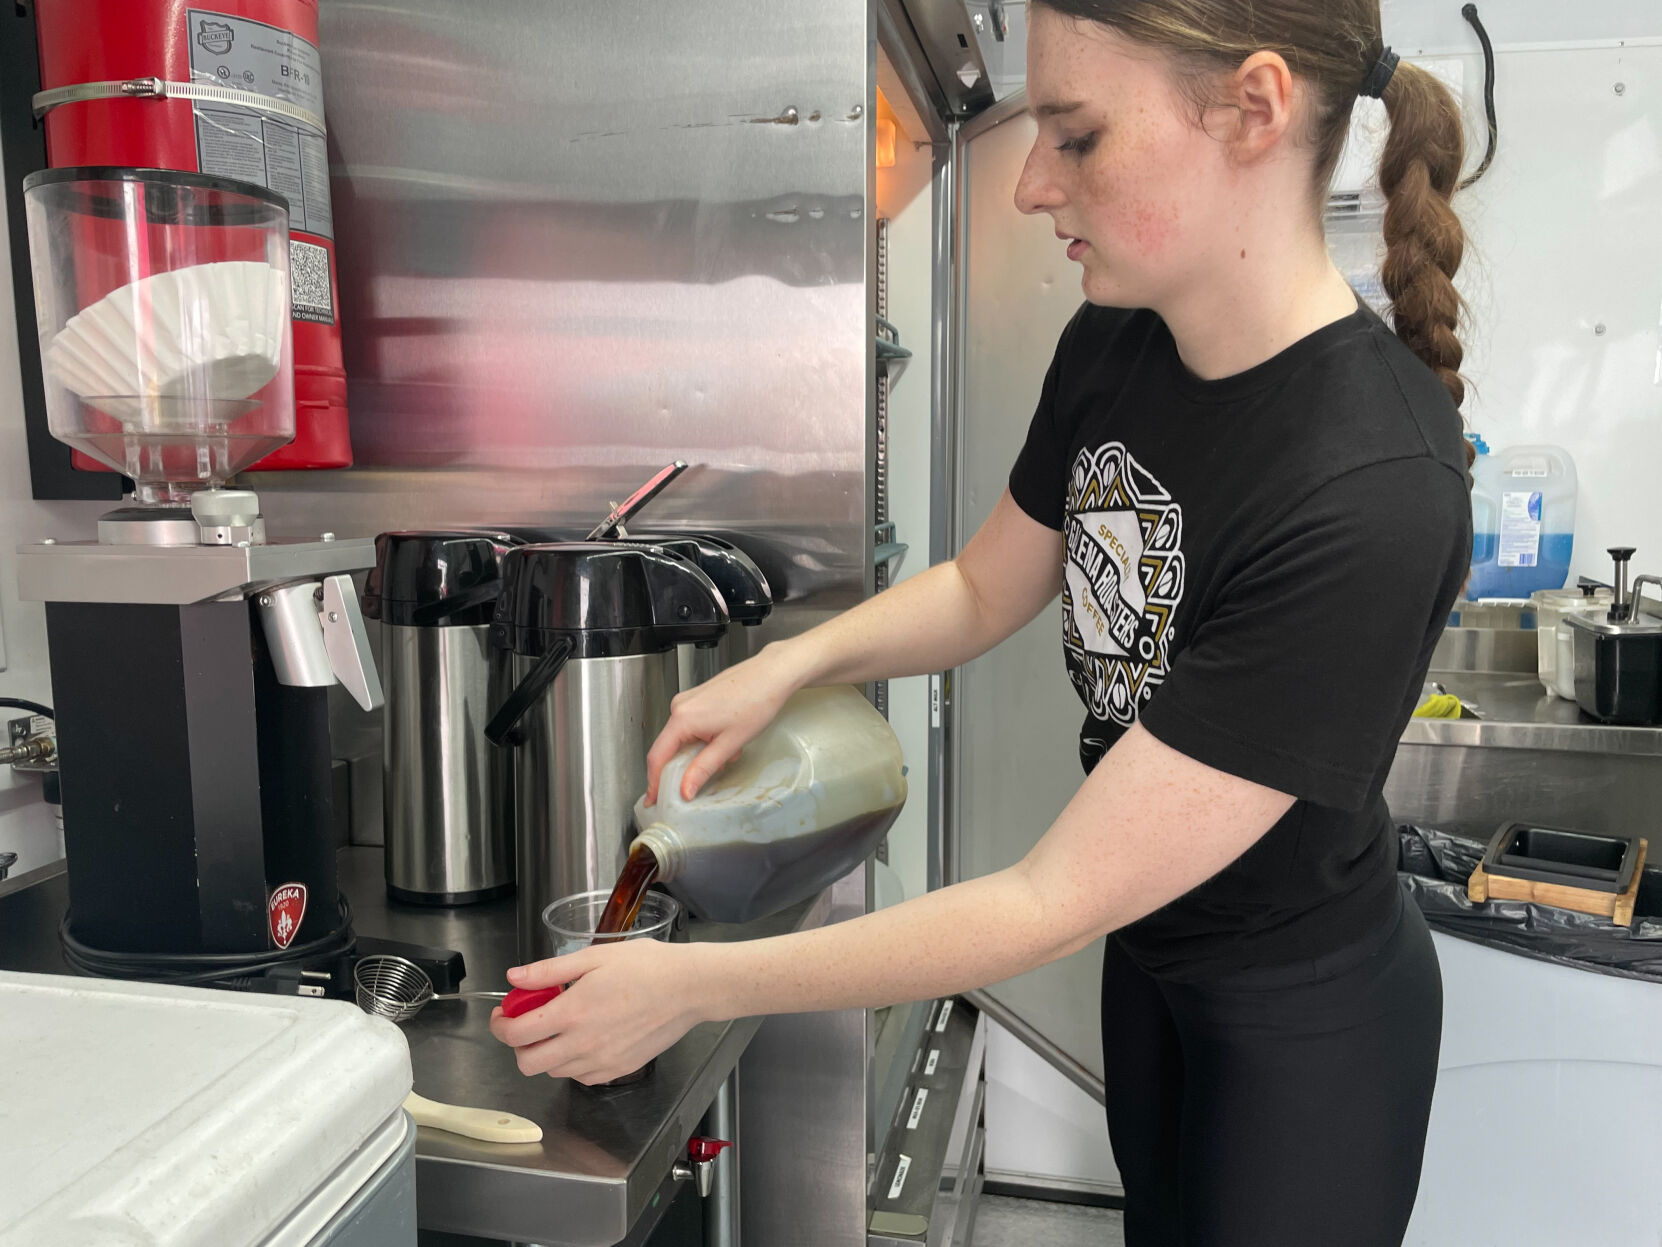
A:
[1424,240]
[1332,45]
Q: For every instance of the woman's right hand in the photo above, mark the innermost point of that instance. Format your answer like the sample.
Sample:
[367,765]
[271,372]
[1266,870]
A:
[725,712]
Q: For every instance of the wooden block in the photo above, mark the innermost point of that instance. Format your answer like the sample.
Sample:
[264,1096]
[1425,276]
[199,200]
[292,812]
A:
[1477,887]
[1618,907]
[1623,915]
[1582,900]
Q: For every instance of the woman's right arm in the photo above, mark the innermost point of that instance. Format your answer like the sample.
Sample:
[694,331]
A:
[958,610]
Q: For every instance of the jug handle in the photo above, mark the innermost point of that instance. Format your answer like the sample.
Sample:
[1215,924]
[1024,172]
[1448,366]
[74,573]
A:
[503,729]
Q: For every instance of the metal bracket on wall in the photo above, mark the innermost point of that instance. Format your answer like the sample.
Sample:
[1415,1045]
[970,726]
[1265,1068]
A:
[22,151]
[161,89]
[953,73]
[892,358]
[889,553]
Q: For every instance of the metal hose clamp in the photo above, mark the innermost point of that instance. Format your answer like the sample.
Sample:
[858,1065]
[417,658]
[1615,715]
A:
[161,89]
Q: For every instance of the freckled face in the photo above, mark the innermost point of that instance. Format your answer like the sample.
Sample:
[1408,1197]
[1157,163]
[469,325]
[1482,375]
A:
[1139,191]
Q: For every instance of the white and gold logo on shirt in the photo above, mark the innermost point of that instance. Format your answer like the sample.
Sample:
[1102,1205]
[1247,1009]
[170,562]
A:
[1123,581]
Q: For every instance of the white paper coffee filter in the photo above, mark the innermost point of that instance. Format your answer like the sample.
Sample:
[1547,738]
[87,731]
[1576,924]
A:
[208,331]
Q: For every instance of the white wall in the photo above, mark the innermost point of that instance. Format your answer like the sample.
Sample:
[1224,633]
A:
[1568,239]
[26,824]
[1563,272]
[1420,26]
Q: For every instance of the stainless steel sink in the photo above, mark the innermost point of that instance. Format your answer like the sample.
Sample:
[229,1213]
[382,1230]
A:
[1488,636]
[1530,756]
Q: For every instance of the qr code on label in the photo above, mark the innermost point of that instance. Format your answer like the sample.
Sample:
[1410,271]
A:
[309,283]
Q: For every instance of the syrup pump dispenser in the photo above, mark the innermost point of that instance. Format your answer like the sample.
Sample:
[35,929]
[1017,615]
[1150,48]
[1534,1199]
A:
[1618,657]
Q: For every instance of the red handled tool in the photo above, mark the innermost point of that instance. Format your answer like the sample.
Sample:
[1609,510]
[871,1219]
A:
[523,1000]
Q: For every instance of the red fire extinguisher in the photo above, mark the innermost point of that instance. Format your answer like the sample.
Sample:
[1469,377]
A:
[226,87]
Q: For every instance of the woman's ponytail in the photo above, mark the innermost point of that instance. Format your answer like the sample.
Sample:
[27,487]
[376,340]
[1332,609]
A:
[1419,172]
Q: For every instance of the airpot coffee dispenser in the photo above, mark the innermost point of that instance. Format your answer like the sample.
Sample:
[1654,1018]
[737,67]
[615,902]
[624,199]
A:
[593,630]
[448,793]
[189,656]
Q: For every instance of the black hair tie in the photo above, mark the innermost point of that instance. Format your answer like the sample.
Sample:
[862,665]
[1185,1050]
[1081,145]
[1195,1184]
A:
[1380,75]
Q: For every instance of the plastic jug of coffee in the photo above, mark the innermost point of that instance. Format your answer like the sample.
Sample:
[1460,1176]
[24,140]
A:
[806,801]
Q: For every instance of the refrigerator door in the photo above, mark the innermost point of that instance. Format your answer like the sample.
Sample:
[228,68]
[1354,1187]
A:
[1014,717]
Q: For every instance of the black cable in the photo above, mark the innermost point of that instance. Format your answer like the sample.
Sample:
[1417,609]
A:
[1469,12]
[201,969]
[23,703]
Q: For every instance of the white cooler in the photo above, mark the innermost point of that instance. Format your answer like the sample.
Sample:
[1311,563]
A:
[133,1115]
[1548,1090]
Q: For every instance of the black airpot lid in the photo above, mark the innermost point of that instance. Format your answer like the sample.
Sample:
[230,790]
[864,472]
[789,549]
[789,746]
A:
[742,584]
[611,600]
[442,578]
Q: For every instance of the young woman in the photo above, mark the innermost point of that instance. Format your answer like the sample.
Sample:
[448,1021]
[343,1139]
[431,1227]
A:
[1252,496]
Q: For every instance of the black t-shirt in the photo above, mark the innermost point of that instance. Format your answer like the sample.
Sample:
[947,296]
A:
[1257,568]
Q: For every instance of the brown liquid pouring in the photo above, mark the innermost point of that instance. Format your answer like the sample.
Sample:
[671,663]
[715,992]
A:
[622,908]
[624,905]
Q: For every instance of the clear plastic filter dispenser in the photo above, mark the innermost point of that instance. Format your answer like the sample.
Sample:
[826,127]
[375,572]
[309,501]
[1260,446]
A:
[162,300]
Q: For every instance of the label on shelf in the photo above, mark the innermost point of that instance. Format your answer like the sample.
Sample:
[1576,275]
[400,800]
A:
[900,1172]
[917,1109]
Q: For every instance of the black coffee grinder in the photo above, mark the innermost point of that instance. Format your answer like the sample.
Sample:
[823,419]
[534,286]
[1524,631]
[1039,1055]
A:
[190,657]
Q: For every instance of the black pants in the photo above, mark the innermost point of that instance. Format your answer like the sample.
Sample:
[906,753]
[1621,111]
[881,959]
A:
[1275,1108]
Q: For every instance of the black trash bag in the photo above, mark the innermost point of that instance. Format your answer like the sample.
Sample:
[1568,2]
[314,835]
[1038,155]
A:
[1433,868]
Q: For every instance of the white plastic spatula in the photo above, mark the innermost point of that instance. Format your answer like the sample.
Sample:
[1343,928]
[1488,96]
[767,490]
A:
[486,1125]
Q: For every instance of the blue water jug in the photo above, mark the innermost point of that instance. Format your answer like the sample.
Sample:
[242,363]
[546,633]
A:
[1523,520]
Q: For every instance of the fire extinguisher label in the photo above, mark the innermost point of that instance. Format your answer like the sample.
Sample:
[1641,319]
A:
[310,292]
[287,156]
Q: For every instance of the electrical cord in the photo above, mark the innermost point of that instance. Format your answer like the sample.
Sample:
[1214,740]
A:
[1469,12]
[23,703]
[204,969]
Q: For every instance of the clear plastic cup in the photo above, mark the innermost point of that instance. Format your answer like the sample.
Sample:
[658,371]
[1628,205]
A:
[572,920]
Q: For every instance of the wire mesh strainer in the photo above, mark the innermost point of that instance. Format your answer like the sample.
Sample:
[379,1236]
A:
[397,989]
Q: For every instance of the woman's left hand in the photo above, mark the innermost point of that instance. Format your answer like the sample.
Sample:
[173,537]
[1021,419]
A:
[623,1005]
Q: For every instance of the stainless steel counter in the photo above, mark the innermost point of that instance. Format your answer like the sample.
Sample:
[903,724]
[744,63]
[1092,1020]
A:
[1530,757]
[1518,714]
[605,1159]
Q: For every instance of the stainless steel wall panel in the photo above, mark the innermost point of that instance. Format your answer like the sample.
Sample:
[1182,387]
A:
[578,239]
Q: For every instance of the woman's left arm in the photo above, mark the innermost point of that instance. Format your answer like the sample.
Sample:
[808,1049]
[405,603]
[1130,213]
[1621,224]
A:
[1148,825]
